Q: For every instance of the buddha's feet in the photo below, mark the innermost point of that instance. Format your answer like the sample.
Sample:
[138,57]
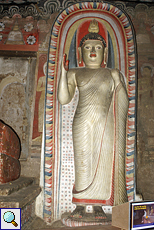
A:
[99,213]
[79,212]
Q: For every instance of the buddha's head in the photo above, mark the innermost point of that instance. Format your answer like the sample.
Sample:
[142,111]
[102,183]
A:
[92,48]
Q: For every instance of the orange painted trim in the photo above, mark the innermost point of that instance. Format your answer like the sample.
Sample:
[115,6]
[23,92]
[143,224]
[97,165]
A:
[92,202]
[19,47]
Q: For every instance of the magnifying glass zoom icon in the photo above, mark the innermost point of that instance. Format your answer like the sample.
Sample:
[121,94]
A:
[9,217]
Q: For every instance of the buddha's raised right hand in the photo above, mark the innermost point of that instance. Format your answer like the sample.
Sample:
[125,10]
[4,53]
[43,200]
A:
[65,87]
[65,63]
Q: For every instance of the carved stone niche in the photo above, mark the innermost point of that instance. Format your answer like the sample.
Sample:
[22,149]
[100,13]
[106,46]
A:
[17,80]
[58,155]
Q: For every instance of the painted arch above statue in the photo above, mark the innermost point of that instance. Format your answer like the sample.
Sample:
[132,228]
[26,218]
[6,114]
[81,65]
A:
[70,26]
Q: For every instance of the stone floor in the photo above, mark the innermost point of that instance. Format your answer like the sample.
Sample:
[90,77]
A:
[38,223]
[35,223]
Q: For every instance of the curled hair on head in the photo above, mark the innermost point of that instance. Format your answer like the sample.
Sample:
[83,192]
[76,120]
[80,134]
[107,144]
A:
[92,36]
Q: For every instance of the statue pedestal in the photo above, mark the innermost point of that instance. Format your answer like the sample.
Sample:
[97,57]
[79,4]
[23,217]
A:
[20,193]
[87,220]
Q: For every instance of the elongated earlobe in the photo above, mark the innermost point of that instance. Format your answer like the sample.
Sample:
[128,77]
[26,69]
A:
[105,55]
[80,55]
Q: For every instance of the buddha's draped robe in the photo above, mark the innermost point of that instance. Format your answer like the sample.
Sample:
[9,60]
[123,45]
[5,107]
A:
[99,138]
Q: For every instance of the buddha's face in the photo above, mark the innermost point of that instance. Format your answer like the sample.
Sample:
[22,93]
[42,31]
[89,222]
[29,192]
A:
[93,53]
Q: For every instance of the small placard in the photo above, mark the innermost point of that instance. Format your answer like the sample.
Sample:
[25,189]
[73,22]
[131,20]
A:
[142,215]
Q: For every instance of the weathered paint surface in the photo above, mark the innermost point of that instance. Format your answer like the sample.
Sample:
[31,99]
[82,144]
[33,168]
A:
[10,149]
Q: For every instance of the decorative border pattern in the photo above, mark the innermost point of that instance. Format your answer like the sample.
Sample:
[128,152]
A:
[70,223]
[44,8]
[52,104]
